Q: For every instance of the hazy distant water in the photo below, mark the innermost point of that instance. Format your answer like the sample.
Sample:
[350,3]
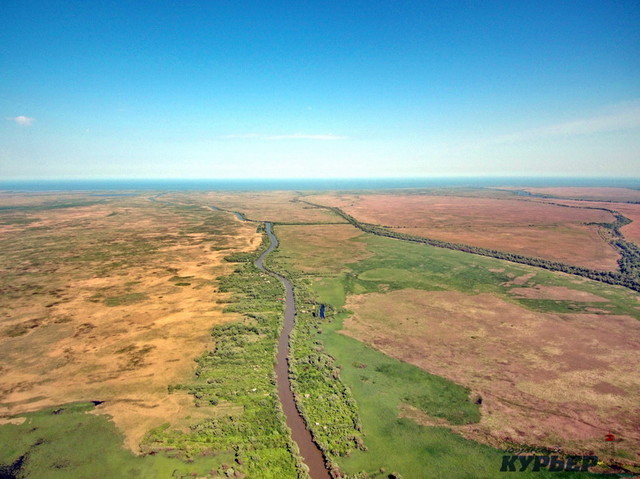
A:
[304,184]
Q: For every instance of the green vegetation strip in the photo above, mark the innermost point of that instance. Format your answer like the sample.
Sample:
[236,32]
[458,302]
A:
[237,380]
[324,401]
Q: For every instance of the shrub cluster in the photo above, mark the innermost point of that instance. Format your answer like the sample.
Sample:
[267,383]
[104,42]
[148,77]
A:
[236,378]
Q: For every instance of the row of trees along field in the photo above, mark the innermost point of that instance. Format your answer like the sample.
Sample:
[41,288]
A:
[628,276]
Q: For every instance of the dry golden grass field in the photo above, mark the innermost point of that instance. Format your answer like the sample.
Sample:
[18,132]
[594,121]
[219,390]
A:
[109,299]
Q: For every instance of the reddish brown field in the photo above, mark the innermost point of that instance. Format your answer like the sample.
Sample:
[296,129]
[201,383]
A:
[544,378]
[631,231]
[525,227]
[91,308]
[587,193]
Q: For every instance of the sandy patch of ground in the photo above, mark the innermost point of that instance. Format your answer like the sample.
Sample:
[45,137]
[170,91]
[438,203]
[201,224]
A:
[12,420]
[410,412]
[112,303]
[530,228]
[545,379]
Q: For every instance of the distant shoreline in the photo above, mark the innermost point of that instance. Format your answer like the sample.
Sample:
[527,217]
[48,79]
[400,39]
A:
[307,184]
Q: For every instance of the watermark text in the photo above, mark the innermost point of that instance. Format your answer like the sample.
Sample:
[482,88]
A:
[517,463]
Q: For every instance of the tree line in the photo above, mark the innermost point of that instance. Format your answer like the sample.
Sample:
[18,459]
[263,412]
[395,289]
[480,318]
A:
[628,275]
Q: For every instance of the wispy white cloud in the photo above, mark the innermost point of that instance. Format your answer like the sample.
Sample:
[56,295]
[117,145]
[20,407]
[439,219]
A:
[22,120]
[293,136]
[616,118]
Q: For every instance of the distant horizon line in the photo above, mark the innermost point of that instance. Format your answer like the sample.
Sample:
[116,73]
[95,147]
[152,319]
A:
[323,178]
[311,184]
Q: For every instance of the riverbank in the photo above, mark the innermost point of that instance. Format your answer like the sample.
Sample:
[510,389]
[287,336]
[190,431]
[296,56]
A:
[312,455]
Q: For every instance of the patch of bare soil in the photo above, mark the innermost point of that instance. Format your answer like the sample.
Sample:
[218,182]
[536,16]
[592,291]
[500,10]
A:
[545,379]
[520,280]
[12,420]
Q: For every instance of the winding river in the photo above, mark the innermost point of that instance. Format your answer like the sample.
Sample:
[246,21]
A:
[308,449]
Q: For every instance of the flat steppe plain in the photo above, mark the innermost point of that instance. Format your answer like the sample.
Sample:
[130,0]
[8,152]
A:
[275,206]
[623,200]
[109,298]
[586,193]
[631,231]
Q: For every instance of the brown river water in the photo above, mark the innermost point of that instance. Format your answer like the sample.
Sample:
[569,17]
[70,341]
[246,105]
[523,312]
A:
[308,449]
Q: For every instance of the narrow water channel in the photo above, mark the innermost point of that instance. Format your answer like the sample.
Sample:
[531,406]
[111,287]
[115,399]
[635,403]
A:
[308,449]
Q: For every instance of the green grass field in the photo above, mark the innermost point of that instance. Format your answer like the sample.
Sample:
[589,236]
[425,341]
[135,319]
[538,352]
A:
[66,442]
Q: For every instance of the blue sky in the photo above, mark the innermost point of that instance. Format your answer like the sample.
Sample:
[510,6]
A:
[231,89]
